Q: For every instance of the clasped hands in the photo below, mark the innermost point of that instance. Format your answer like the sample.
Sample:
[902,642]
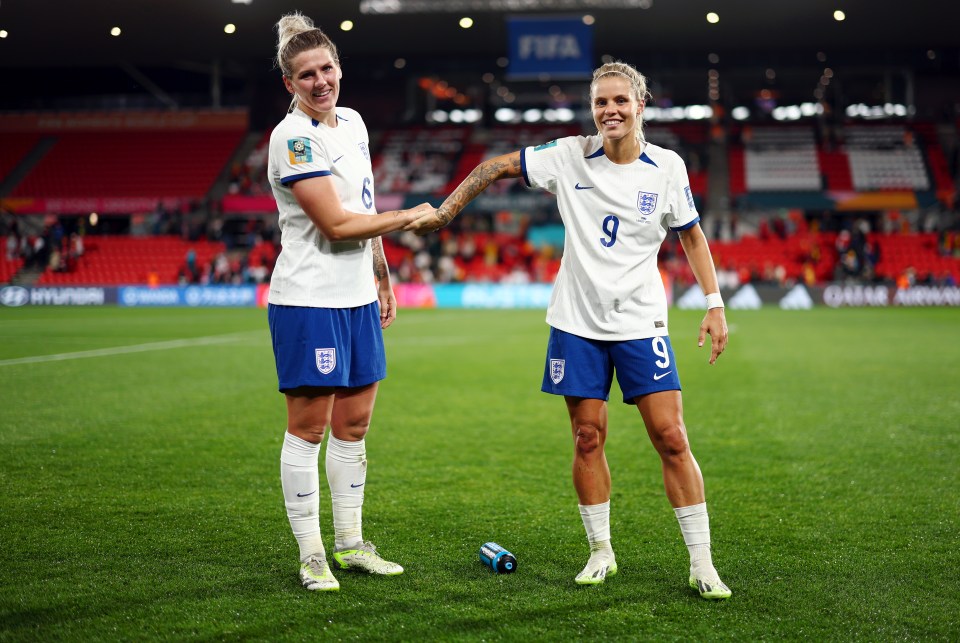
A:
[425,219]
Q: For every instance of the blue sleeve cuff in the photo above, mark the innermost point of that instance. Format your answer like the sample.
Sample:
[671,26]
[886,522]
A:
[293,178]
[686,226]
[523,166]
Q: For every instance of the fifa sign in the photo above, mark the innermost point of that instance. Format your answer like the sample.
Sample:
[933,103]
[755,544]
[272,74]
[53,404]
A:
[555,47]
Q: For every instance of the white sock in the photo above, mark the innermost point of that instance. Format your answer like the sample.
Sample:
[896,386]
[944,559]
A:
[596,520]
[300,480]
[695,527]
[346,475]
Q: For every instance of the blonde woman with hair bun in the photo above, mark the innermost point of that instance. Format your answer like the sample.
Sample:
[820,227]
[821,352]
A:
[330,300]
[618,198]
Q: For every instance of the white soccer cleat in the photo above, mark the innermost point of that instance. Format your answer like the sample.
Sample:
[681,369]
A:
[602,563]
[365,559]
[316,576]
[708,583]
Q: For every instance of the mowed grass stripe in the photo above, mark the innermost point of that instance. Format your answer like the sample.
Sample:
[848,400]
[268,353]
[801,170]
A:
[124,350]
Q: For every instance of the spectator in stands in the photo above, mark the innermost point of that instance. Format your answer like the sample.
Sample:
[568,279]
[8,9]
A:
[39,251]
[763,229]
[780,227]
[850,266]
[221,269]
[330,298]
[76,245]
[12,251]
[907,278]
[871,257]
[189,272]
[54,264]
[609,310]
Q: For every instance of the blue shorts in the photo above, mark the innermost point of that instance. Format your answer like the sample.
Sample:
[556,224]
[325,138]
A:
[581,367]
[340,347]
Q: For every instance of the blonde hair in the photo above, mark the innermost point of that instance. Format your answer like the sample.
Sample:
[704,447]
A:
[638,85]
[295,35]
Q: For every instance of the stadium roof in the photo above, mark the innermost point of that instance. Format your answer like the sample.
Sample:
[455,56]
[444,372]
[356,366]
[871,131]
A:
[65,33]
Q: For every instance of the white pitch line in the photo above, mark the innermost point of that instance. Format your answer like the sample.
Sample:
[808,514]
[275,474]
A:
[121,350]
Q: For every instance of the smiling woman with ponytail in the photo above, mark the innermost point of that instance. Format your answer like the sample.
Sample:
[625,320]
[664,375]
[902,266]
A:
[330,299]
[618,197]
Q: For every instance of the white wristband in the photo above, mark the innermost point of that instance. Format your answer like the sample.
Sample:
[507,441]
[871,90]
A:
[714,300]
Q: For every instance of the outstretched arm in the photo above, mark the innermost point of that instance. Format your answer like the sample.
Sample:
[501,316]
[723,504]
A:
[319,199]
[506,166]
[701,262]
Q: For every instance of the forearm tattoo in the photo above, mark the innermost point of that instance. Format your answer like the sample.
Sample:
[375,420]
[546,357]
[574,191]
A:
[380,269]
[478,180]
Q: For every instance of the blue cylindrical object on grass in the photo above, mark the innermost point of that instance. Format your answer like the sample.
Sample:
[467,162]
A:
[497,558]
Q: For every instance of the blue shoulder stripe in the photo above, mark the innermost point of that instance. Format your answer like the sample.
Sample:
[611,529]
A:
[339,117]
[596,154]
[647,159]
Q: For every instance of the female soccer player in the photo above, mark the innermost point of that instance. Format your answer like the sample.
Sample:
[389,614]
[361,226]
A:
[330,298]
[617,195]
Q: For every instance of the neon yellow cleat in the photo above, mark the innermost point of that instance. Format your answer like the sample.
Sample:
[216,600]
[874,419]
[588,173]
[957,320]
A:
[709,585]
[602,563]
[316,576]
[365,559]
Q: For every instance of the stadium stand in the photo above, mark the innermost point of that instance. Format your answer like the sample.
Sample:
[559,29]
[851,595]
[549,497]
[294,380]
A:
[504,245]
[15,146]
[10,261]
[781,158]
[916,255]
[124,164]
[836,170]
[884,158]
[418,160]
[112,260]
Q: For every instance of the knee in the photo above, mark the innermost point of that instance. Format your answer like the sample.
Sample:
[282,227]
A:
[672,441]
[588,438]
[352,428]
[310,431]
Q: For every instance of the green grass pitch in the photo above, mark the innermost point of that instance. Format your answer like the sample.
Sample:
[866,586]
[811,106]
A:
[141,499]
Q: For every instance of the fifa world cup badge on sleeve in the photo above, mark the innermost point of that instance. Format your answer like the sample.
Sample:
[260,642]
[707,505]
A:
[299,151]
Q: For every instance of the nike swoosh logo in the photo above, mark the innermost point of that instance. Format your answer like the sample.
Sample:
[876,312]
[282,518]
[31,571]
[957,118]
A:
[660,376]
[338,158]
[304,495]
[583,187]
[354,486]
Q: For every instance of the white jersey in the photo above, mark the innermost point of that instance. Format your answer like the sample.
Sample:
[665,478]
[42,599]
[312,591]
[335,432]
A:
[312,271]
[615,217]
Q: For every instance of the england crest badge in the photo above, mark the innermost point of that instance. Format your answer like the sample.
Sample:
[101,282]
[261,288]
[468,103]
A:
[647,203]
[556,370]
[326,360]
